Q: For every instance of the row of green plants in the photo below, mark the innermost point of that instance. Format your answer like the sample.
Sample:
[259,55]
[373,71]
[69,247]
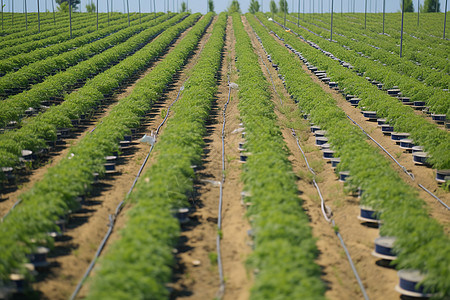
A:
[421,241]
[125,41]
[429,30]
[284,249]
[38,70]
[403,118]
[21,35]
[144,251]
[37,131]
[25,36]
[55,195]
[433,69]
[434,97]
[53,44]
[47,23]
[388,49]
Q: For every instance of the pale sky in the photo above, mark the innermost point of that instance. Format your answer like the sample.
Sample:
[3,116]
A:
[200,5]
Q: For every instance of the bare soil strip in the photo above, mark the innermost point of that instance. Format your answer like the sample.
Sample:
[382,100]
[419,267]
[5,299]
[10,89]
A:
[379,281]
[86,228]
[197,272]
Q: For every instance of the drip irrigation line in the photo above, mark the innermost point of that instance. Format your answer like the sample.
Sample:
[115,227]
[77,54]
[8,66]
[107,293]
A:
[410,174]
[434,196]
[221,290]
[112,218]
[351,262]
[336,230]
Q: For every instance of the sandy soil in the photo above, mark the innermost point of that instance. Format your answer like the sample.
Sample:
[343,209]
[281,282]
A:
[199,236]
[87,227]
[378,281]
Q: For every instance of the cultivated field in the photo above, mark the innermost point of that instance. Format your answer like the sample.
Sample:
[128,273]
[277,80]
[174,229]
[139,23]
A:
[189,156]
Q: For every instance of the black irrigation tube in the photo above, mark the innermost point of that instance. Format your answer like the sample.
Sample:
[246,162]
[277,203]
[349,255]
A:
[322,201]
[221,290]
[411,175]
[112,218]
[336,230]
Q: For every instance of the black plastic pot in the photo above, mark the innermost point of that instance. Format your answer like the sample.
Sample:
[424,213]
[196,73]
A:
[442,175]
[406,144]
[39,258]
[328,153]
[321,140]
[320,133]
[354,101]
[438,118]
[381,122]
[397,136]
[335,161]
[420,158]
[343,176]
[405,100]
[408,280]
[368,214]
[387,129]
[393,92]
[384,248]
[370,115]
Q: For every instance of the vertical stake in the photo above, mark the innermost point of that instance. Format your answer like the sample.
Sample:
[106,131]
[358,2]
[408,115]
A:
[26,14]
[445,18]
[39,17]
[384,11]
[97,14]
[128,13]
[54,17]
[331,36]
[365,15]
[70,18]
[401,34]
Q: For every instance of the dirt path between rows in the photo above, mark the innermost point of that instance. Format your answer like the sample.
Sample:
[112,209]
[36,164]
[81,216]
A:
[340,281]
[201,280]
[86,228]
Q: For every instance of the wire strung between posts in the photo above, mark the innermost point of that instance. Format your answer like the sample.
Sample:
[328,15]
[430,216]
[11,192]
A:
[411,175]
[112,218]
[322,204]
